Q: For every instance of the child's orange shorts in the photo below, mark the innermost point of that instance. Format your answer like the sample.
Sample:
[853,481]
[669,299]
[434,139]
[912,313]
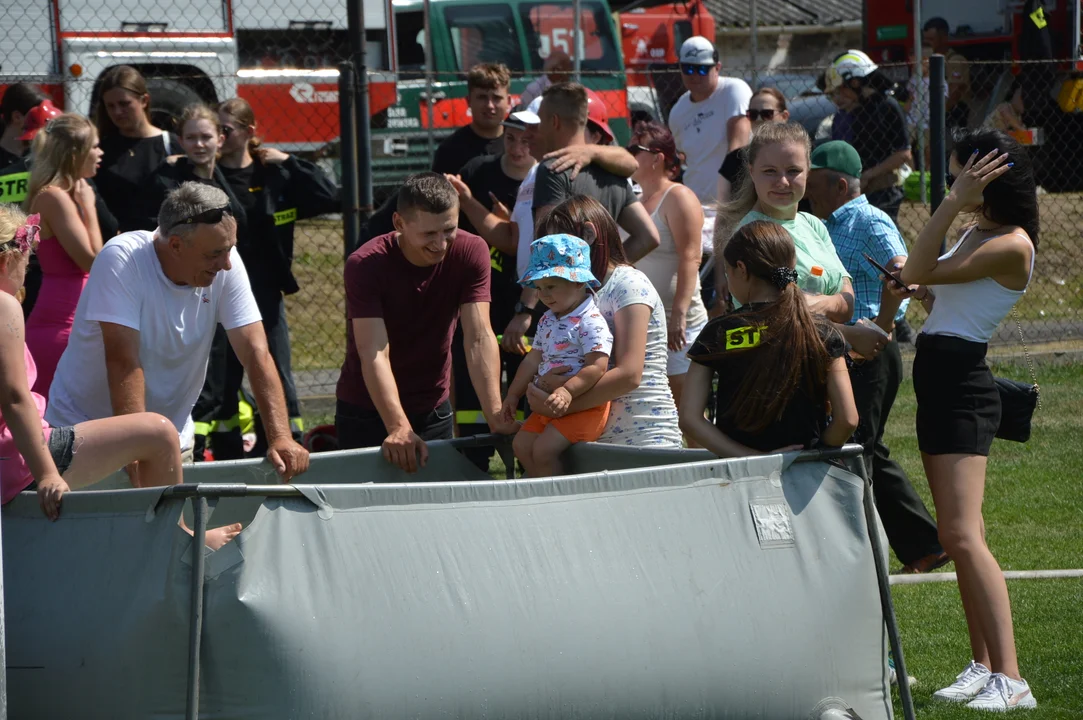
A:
[583,426]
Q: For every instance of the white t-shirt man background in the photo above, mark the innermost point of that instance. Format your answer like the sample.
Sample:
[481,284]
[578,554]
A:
[523,217]
[176,324]
[699,129]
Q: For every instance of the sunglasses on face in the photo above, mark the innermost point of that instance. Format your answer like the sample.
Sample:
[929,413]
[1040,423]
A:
[636,149]
[757,114]
[950,178]
[696,69]
[228,130]
[207,217]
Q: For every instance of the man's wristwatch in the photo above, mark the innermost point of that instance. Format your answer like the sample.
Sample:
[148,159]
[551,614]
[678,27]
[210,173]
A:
[521,309]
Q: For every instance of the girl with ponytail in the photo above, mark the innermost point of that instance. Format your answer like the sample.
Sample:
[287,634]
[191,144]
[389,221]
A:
[786,383]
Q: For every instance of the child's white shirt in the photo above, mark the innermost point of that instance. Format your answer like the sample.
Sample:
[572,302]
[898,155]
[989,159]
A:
[567,340]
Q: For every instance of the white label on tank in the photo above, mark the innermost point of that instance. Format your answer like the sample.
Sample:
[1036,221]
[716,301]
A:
[774,527]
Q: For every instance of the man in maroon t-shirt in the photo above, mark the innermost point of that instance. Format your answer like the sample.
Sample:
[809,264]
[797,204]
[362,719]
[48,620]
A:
[404,293]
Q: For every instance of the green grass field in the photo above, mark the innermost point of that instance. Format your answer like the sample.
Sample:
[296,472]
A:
[1034,521]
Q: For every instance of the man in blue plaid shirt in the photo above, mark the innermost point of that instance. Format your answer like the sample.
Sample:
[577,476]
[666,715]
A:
[857,228]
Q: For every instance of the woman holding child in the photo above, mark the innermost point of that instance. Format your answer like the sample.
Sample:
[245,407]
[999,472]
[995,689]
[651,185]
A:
[642,412]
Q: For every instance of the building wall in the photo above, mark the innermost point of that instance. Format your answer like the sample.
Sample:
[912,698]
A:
[785,50]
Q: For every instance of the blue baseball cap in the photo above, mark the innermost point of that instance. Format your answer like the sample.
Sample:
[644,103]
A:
[562,256]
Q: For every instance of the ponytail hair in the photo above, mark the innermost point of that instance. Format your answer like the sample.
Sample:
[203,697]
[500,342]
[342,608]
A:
[791,351]
[744,198]
[239,109]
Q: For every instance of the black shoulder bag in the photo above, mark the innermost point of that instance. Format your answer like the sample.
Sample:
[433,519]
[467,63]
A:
[1018,400]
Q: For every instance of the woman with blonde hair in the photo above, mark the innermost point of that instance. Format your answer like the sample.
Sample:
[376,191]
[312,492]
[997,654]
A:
[133,147]
[777,168]
[768,105]
[66,154]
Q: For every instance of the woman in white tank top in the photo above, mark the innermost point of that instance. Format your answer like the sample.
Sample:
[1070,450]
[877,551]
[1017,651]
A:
[672,267]
[968,291]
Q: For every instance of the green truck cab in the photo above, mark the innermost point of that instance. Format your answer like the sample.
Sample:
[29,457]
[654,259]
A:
[518,33]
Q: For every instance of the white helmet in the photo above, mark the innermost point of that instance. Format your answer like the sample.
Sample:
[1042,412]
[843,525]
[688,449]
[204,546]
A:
[851,64]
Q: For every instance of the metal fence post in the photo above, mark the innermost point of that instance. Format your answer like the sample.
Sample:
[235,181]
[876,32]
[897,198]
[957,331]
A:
[577,21]
[355,21]
[887,607]
[921,100]
[195,619]
[753,41]
[429,65]
[937,133]
[347,117]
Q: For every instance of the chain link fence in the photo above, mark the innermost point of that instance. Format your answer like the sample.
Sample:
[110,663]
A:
[1027,99]
[282,59]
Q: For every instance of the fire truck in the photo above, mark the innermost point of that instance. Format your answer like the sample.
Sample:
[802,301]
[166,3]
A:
[1002,32]
[282,56]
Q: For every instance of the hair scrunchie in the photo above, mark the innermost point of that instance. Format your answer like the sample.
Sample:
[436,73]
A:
[783,276]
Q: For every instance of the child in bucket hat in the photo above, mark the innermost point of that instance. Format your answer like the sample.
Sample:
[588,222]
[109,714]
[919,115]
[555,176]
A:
[571,334]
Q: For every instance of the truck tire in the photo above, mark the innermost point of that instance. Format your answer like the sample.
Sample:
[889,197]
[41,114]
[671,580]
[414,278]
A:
[168,98]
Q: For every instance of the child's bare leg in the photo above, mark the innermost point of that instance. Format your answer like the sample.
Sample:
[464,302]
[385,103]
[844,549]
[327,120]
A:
[150,441]
[523,445]
[547,451]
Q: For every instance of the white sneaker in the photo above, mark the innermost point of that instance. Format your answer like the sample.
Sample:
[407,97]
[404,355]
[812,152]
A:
[893,677]
[967,684]
[1002,693]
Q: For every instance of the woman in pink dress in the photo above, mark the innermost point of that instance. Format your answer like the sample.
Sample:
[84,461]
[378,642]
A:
[52,461]
[65,154]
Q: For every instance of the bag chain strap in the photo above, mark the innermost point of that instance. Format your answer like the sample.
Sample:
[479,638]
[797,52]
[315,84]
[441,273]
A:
[1026,354]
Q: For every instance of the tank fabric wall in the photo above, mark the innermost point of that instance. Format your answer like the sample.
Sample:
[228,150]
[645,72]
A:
[723,589]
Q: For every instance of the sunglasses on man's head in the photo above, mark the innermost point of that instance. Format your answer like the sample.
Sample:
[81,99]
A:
[207,217]
[696,69]
[754,115]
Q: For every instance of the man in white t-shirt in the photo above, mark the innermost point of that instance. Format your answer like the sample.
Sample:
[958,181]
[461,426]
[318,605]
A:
[709,120]
[146,318]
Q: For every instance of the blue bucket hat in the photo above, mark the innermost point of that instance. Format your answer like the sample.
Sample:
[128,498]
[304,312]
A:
[562,256]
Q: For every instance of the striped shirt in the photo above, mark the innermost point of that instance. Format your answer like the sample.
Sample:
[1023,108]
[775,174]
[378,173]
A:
[857,228]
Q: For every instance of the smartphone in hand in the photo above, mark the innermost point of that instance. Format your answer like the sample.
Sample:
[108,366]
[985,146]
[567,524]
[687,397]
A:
[885,272]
